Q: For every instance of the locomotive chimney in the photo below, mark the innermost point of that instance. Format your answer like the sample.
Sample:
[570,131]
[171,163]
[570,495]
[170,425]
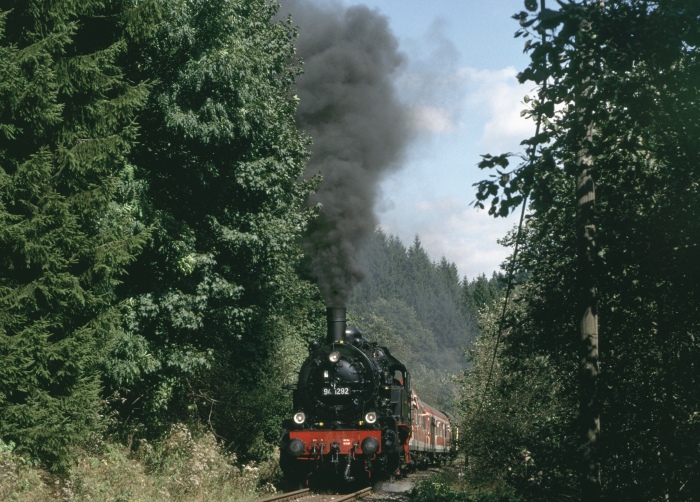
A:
[336,321]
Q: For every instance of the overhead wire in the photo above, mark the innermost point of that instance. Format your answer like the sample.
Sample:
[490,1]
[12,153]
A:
[513,260]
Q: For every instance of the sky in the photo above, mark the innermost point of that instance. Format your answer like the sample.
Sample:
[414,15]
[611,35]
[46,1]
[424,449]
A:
[459,81]
[401,101]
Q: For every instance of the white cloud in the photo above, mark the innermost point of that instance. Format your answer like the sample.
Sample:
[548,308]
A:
[468,239]
[459,114]
[498,98]
[468,98]
[451,228]
[433,120]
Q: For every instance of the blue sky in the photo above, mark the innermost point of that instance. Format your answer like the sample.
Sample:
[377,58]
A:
[459,80]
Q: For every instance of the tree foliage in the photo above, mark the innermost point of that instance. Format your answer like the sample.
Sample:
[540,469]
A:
[220,159]
[629,68]
[168,119]
[67,230]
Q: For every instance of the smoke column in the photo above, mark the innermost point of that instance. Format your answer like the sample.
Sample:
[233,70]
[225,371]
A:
[359,128]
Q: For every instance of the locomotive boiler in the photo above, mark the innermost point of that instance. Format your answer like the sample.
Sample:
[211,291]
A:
[355,413]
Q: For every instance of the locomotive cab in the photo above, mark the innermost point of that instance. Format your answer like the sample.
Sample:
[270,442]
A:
[397,393]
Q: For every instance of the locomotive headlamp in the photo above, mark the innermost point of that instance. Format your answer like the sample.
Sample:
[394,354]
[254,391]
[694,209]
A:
[334,356]
[299,418]
[371,417]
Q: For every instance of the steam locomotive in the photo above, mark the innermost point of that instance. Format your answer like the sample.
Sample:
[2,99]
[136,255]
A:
[355,414]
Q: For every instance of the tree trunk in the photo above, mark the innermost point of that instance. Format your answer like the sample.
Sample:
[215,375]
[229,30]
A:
[588,368]
[667,429]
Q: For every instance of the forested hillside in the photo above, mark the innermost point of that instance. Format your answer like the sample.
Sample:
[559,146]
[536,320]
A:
[422,310]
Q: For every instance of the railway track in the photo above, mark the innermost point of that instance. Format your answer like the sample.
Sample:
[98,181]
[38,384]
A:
[312,497]
[355,496]
[283,497]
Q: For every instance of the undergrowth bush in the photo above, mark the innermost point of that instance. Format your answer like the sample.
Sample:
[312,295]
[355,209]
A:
[19,479]
[184,466]
[110,476]
[451,486]
[192,467]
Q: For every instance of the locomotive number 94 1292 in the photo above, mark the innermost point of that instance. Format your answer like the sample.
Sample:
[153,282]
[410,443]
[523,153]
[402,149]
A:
[336,391]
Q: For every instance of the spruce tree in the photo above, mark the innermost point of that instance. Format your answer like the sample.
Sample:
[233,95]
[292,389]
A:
[66,126]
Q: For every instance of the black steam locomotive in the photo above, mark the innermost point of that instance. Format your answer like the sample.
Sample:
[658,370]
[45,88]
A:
[355,414]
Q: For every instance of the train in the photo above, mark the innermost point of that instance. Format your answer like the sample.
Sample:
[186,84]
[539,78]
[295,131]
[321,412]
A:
[356,417]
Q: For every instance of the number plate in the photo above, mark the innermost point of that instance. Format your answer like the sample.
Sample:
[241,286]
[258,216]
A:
[337,391]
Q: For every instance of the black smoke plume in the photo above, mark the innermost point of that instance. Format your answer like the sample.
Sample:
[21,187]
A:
[347,103]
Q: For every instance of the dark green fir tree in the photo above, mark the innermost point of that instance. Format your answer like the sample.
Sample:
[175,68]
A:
[67,228]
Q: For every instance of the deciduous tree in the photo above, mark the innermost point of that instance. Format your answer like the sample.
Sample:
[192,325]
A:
[216,293]
[638,65]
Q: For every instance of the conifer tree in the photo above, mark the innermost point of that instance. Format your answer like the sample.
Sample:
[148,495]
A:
[66,126]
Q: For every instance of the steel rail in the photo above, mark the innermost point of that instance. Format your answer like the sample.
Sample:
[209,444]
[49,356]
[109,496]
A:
[281,497]
[355,496]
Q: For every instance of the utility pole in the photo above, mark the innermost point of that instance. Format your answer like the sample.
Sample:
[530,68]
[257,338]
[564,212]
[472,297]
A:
[589,362]
[589,369]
